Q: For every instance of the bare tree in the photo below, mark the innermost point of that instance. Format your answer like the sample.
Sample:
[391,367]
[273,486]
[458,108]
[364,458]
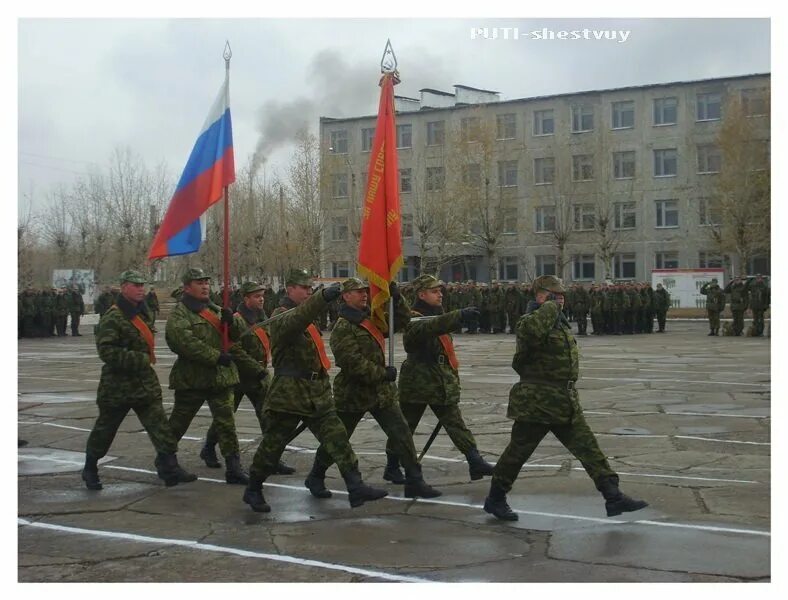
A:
[56,225]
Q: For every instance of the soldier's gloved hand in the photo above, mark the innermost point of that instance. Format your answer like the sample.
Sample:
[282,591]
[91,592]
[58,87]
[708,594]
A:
[469,313]
[394,291]
[391,374]
[225,359]
[262,376]
[332,292]
[227,316]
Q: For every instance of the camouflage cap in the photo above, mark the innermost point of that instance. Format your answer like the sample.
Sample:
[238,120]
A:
[194,274]
[551,283]
[132,277]
[250,287]
[299,277]
[425,282]
[354,283]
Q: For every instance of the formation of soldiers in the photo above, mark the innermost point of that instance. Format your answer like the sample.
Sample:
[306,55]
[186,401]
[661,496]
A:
[45,313]
[742,293]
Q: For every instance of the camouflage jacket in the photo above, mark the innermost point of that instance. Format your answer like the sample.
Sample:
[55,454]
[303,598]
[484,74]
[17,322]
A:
[512,299]
[198,345]
[75,302]
[127,375]
[546,360]
[426,377]
[715,297]
[360,384]
[738,295]
[152,300]
[252,360]
[581,302]
[293,349]
[661,300]
[103,302]
[759,295]
[28,305]
[249,367]
[497,300]
[634,300]
[61,305]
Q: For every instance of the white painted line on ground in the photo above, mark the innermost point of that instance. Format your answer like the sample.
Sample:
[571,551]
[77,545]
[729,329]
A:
[294,560]
[57,379]
[636,367]
[185,437]
[677,381]
[696,414]
[694,437]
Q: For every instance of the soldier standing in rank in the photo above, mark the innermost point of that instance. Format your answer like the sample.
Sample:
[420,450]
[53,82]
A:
[760,297]
[581,304]
[365,384]
[429,376]
[661,306]
[715,304]
[301,391]
[76,307]
[203,372]
[738,301]
[128,382]
[28,312]
[545,400]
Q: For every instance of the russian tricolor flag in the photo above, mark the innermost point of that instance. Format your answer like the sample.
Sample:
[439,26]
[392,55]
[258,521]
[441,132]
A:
[210,168]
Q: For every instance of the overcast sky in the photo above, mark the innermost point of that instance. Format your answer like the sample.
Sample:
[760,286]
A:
[88,86]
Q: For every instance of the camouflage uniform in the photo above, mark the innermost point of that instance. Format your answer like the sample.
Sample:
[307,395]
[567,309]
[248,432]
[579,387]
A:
[76,307]
[582,302]
[715,304]
[512,305]
[633,324]
[152,300]
[738,301]
[103,302]
[61,312]
[497,309]
[661,306]
[45,310]
[760,297]
[28,312]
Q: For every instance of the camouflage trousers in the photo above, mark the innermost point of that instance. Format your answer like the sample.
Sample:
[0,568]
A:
[60,325]
[448,415]
[714,319]
[394,425]
[512,317]
[75,316]
[738,321]
[661,317]
[279,428]
[577,437]
[111,414]
[188,402]
[582,322]
[256,396]
[758,321]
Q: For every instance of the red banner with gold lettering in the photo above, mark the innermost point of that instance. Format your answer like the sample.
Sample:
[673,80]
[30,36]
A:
[380,246]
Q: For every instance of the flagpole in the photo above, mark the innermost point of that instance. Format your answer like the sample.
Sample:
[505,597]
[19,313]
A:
[388,65]
[226,296]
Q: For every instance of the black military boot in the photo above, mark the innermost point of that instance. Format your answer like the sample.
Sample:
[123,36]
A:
[170,471]
[208,454]
[615,501]
[495,504]
[392,472]
[315,482]
[477,466]
[711,332]
[415,486]
[234,473]
[358,491]
[253,495]
[283,469]
[90,473]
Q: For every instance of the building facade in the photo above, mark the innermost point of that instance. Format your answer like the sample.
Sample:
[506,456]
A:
[611,183]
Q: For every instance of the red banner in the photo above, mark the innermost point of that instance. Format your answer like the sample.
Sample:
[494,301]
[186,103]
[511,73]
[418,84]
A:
[380,246]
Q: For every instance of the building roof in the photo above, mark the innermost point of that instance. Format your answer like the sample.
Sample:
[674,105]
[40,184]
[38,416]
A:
[467,87]
[434,91]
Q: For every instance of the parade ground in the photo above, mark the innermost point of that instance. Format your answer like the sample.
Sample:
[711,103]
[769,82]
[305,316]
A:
[684,419]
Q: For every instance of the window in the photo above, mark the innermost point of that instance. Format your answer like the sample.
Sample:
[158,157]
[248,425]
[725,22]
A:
[582,167]
[545,265]
[407,225]
[625,215]
[509,221]
[508,268]
[582,119]
[623,115]
[339,185]
[545,219]
[583,266]
[472,175]
[405,181]
[665,163]
[624,165]
[339,229]
[666,260]
[507,126]
[712,260]
[753,102]
[709,107]
[709,212]
[709,158]
[585,217]
[469,129]
[544,170]
[340,269]
[665,111]
[338,142]
[435,179]
[544,124]
[404,136]
[667,213]
[367,135]
[624,266]
[507,173]
[436,133]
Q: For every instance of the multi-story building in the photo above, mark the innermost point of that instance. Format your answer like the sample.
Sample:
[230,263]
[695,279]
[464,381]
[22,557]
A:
[553,169]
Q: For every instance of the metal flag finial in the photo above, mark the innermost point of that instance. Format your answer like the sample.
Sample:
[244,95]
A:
[228,53]
[388,63]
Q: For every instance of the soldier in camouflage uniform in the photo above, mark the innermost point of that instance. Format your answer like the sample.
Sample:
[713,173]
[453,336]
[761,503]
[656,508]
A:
[760,298]
[28,312]
[365,384]
[597,301]
[715,304]
[61,312]
[512,305]
[301,391]
[104,301]
[484,307]
[497,308]
[545,400]
[661,306]
[738,301]
[429,374]
[152,300]
[76,308]
[203,372]
[582,303]
[128,382]
[45,308]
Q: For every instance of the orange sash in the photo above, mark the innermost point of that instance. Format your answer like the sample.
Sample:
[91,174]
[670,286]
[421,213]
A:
[448,348]
[212,319]
[265,340]
[147,335]
[375,333]
[321,349]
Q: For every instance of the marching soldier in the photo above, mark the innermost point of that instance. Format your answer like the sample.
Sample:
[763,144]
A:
[301,391]
[545,400]
[715,304]
[429,376]
[128,382]
[661,306]
[365,384]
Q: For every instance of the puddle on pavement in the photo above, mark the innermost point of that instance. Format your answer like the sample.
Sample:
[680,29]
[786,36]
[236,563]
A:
[630,431]
[44,461]
[57,397]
